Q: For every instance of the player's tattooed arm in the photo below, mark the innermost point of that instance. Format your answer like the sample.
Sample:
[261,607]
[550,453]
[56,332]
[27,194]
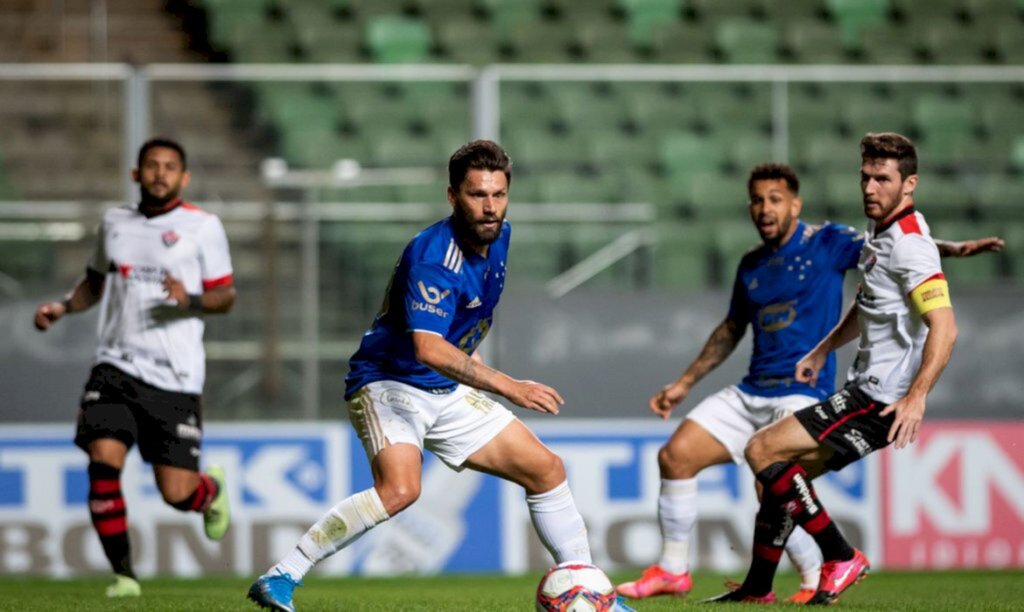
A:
[967,248]
[82,296]
[444,358]
[719,345]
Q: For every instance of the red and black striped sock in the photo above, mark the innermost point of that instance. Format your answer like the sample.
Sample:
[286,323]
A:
[787,484]
[201,498]
[109,515]
[771,530]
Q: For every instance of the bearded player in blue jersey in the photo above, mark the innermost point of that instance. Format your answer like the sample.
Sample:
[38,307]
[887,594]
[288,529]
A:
[416,383]
[789,290]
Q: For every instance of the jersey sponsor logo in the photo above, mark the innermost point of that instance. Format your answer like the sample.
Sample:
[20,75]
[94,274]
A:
[856,438]
[776,317]
[91,396]
[142,274]
[396,399]
[475,303]
[170,238]
[431,294]
[820,411]
[429,308]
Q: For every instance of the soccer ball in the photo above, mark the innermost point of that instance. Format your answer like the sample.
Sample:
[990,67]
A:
[575,587]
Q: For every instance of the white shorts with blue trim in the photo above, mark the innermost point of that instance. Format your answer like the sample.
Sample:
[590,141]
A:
[452,425]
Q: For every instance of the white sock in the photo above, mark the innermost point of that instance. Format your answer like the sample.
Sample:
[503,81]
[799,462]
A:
[559,524]
[803,551]
[677,513]
[342,525]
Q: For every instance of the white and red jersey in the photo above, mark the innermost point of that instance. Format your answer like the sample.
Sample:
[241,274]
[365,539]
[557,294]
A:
[897,257]
[141,331]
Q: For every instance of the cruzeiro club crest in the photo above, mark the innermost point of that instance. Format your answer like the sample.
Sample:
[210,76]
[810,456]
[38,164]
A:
[431,294]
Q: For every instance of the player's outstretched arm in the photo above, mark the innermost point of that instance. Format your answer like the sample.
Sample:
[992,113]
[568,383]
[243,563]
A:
[967,248]
[441,356]
[83,296]
[210,301]
[720,344]
[810,365]
[938,348]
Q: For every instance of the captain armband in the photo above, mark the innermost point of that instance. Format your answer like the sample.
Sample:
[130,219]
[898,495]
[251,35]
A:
[931,294]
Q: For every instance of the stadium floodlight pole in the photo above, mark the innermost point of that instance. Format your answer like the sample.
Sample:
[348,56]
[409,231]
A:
[344,174]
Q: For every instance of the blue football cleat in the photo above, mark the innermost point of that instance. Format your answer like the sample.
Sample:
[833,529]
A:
[620,605]
[274,591]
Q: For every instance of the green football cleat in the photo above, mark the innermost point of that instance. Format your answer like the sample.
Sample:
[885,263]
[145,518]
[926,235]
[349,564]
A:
[217,517]
[124,586]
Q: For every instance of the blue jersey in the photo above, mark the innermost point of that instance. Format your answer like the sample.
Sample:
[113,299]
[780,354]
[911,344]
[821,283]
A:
[437,287]
[792,298]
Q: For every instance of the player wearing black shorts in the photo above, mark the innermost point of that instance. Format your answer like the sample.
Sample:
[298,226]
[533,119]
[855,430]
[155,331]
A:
[904,319]
[158,267]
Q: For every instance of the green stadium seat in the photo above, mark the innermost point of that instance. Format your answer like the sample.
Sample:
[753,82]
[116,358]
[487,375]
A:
[539,42]
[682,257]
[364,106]
[324,39]
[711,11]
[680,42]
[853,15]
[886,43]
[754,149]
[743,41]
[397,149]
[643,16]
[1017,153]
[842,191]
[506,15]
[638,184]
[943,198]
[934,114]
[812,111]
[828,152]
[225,17]
[572,187]
[608,149]
[733,111]
[262,42]
[863,110]
[948,43]
[812,41]
[538,148]
[396,40]
[733,240]
[586,105]
[655,109]
[684,153]
[999,113]
[605,42]
[790,10]
[526,104]
[716,196]
[320,148]
[432,193]
[466,40]
[1009,42]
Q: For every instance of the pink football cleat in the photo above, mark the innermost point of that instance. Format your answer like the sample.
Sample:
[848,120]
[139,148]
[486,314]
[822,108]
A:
[837,576]
[656,581]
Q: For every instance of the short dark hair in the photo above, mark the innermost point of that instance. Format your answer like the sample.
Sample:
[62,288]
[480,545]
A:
[770,171]
[890,145]
[161,143]
[478,155]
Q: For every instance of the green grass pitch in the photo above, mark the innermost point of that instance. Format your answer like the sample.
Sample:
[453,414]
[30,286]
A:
[896,591]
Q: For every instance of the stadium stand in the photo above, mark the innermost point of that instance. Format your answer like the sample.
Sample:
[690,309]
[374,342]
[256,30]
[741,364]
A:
[681,147]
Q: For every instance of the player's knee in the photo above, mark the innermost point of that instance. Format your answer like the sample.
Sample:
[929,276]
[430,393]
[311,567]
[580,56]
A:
[546,472]
[175,493]
[756,451]
[674,462]
[398,496]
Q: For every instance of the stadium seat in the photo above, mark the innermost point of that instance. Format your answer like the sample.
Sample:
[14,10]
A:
[828,152]
[842,191]
[932,114]
[1009,43]
[574,187]
[732,241]
[885,43]
[604,42]
[754,149]
[967,271]
[682,257]
[655,109]
[812,41]
[743,41]
[793,10]
[588,104]
[539,148]
[467,40]
[506,15]
[262,42]
[539,42]
[711,11]
[716,196]
[395,40]
[949,43]
[684,153]
[638,184]
[679,42]
[324,39]
[644,16]
[943,198]
[397,149]
[853,15]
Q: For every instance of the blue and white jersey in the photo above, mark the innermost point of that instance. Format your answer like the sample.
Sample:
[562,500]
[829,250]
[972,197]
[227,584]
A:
[792,298]
[437,287]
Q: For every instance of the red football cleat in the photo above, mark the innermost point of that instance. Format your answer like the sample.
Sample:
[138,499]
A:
[837,576]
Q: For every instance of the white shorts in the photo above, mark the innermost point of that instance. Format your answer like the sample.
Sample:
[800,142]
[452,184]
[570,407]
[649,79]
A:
[453,426]
[732,416]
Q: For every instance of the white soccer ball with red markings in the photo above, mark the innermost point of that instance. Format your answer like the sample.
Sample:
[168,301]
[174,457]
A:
[575,587]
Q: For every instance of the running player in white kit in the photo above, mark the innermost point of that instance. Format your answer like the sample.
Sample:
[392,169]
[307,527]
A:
[907,331]
[158,267]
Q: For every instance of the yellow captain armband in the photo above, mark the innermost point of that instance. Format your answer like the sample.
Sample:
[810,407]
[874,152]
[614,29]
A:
[931,294]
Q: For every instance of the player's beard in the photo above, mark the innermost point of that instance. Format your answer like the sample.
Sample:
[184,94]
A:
[472,230]
[154,203]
